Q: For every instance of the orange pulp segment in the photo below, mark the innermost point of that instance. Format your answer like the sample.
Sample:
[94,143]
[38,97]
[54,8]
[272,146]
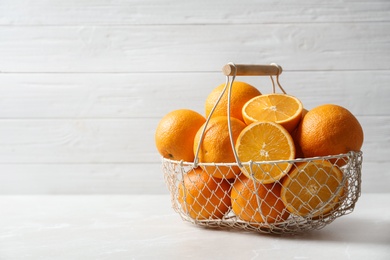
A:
[279,108]
[312,188]
[261,142]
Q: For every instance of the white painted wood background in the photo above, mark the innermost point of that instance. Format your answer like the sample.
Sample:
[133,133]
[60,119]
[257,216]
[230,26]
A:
[83,84]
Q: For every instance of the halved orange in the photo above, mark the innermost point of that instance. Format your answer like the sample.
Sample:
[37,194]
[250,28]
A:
[313,188]
[279,108]
[261,142]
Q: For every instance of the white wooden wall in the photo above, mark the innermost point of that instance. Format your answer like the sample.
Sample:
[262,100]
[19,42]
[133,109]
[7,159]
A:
[83,84]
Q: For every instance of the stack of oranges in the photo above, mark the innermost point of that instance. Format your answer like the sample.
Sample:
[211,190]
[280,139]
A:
[259,181]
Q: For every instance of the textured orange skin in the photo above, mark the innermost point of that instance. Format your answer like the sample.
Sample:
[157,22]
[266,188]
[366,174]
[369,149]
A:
[245,203]
[216,146]
[174,136]
[329,130]
[298,150]
[204,197]
[241,93]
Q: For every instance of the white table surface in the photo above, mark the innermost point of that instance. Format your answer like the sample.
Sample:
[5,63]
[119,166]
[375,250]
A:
[146,227]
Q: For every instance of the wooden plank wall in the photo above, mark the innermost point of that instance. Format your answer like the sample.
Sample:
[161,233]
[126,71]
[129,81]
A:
[83,84]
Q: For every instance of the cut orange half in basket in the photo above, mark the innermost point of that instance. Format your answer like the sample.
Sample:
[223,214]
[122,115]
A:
[260,143]
[313,188]
[279,108]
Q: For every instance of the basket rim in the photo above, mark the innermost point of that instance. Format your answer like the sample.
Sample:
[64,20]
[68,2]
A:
[297,160]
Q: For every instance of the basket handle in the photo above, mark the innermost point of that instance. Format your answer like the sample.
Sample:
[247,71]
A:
[231,69]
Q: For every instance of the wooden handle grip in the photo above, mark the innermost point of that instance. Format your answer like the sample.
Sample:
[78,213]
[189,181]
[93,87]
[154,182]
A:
[251,70]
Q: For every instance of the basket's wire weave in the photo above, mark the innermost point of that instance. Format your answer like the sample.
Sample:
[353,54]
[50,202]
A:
[174,171]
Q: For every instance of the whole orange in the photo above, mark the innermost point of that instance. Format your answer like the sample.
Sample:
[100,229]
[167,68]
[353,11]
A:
[255,202]
[215,147]
[174,136]
[203,197]
[298,150]
[329,130]
[240,94]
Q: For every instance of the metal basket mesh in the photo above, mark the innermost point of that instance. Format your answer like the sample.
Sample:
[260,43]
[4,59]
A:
[194,209]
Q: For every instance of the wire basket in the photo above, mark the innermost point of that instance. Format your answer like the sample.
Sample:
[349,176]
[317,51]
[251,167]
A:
[245,203]
[174,172]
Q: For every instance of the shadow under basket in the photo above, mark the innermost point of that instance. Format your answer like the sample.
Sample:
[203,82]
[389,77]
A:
[336,205]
